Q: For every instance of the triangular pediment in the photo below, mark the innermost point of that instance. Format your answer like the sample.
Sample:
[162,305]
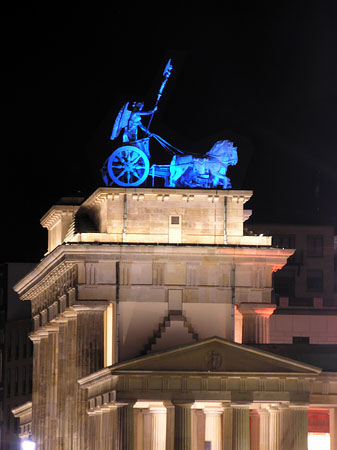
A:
[215,355]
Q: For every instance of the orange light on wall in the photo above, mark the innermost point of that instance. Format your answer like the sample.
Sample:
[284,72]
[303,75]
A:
[318,421]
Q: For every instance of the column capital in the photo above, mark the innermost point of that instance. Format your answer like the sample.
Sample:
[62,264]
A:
[302,407]
[183,403]
[52,327]
[213,410]
[261,309]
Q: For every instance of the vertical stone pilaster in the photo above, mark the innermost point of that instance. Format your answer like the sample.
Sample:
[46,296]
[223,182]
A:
[61,393]
[36,339]
[106,428]
[182,426]
[114,427]
[93,438]
[52,385]
[42,420]
[126,427]
[138,423]
[71,420]
[169,425]
[241,430]
[255,322]
[213,427]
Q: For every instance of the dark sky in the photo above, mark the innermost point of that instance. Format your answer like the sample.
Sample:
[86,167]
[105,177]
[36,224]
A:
[263,76]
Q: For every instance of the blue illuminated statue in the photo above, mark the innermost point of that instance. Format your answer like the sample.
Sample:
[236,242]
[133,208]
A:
[129,121]
[129,165]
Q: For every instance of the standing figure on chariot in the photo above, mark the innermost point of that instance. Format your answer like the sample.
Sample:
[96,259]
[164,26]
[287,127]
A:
[129,121]
[135,122]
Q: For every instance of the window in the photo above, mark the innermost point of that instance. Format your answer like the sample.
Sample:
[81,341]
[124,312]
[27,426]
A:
[284,282]
[8,382]
[315,280]
[314,245]
[301,340]
[24,349]
[16,390]
[30,386]
[24,379]
[17,346]
[175,220]
[284,241]
[9,348]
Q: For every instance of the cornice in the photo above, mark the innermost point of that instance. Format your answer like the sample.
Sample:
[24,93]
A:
[102,194]
[55,213]
[66,256]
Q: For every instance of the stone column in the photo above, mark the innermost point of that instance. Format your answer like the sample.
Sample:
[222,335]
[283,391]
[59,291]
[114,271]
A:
[109,426]
[182,425]
[241,431]
[36,339]
[155,429]
[42,390]
[285,427]
[299,419]
[255,322]
[227,427]
[274,428]
[333,428]
[264,428]
[125,427]
[52,385]
[213,426]
[138,422]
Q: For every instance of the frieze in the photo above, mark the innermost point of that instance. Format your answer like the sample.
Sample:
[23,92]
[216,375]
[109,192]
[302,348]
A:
[55,284]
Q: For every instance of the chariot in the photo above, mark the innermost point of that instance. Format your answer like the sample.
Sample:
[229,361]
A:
[129,165]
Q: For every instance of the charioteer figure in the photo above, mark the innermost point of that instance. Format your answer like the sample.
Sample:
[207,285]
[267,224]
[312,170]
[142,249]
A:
[129,121]
[130,133]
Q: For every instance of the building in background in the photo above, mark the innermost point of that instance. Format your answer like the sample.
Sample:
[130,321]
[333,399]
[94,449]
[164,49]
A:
[305,288]
[15,351]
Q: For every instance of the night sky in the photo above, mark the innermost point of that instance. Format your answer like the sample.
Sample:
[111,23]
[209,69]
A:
[263,76]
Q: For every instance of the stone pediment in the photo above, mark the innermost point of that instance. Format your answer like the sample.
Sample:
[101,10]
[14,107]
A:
[215,355]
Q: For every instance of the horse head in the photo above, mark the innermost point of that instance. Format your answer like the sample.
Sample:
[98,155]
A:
[225,152]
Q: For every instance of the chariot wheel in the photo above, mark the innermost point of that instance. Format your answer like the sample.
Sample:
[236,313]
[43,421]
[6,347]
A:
[128,166]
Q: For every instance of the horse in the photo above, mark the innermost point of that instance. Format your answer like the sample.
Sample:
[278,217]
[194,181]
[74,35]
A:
[208,171]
